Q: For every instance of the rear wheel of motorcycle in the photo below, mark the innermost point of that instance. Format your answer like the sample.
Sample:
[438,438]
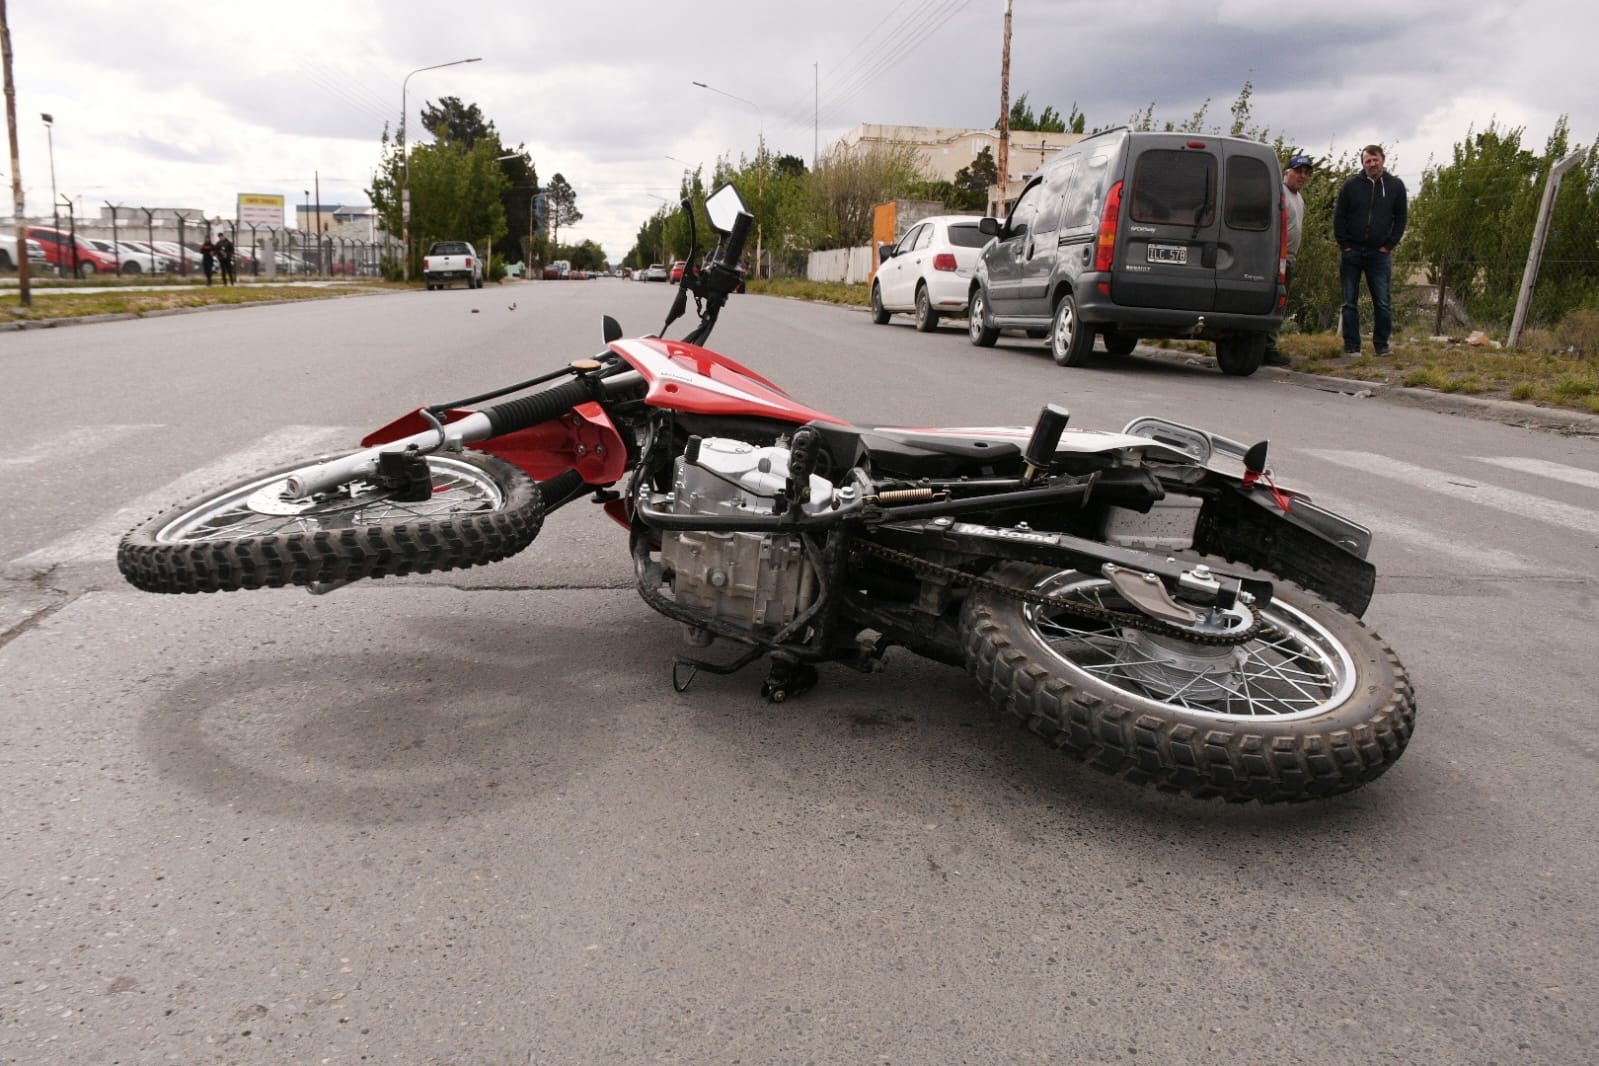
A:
[1316,705]
[251,535]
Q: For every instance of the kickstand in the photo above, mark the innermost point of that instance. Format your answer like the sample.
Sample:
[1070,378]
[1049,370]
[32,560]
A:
[681,686]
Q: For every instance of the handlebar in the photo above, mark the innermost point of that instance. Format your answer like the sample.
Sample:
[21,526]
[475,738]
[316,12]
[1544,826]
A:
[733,247]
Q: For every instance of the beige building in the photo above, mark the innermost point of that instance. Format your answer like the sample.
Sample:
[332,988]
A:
[946,150]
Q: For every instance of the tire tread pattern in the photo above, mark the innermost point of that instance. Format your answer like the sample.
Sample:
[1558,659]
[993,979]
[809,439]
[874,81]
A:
[389,549]
[1259,761]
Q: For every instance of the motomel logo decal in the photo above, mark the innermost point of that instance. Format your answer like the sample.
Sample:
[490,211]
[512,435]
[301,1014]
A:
[1005,534]
[1142,229]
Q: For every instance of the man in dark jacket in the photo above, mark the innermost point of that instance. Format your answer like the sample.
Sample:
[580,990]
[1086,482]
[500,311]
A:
[1368,223]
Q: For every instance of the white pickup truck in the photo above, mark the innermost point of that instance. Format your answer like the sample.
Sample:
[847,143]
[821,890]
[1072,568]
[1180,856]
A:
[449,261]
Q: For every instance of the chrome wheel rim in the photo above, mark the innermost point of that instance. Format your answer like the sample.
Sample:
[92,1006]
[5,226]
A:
[1065,327]
[263,507]
[1294,669]
[975,326]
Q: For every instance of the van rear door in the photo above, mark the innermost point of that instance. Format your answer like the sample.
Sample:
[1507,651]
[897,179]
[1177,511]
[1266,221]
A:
[1251,229]
[1170,233]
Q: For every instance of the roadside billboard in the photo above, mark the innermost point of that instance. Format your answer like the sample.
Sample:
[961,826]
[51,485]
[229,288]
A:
[260,209]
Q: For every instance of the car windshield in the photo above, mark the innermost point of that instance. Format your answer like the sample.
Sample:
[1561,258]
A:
[966,235]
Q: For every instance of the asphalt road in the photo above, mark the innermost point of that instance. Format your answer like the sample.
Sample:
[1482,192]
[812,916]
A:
[465,818]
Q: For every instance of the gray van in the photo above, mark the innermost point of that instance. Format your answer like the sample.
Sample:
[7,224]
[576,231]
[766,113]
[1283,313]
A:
[1135,234]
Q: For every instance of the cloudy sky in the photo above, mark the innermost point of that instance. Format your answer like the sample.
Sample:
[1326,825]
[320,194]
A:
[177,104]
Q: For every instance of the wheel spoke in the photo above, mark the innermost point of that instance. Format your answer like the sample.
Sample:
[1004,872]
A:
[1291,669]
[456,489]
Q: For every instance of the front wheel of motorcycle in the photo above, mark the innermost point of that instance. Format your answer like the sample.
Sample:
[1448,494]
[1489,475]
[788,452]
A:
[1315,705]
[254,534]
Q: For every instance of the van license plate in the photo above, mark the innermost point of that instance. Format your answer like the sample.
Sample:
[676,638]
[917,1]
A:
[1168,253]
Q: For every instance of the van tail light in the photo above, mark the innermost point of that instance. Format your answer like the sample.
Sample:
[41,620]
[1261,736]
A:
[1105,245]
[1282,260]
[944,261]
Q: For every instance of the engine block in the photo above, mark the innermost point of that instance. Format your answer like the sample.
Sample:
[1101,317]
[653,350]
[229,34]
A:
[752,579]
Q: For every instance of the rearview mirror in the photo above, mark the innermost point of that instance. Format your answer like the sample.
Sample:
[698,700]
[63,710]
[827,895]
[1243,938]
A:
[885,252]
[723,207]
[988,227]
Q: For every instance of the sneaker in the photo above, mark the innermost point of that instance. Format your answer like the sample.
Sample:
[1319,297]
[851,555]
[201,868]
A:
[1383,351]
[1351,351]
[1276,358]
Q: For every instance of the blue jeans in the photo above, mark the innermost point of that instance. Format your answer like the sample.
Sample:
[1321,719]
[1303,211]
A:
[1379,270]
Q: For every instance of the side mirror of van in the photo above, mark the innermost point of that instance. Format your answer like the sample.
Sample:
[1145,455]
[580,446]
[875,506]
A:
[885,252]
[988,227]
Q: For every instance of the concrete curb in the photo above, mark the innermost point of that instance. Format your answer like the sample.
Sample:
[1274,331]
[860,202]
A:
[1510,412]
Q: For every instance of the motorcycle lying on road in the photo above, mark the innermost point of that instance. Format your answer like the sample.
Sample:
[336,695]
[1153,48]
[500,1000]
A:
[1148,601]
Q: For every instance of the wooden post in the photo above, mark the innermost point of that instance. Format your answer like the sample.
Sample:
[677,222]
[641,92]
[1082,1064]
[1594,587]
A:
[1004,110]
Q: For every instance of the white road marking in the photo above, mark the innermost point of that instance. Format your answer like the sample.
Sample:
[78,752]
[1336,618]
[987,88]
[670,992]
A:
[99,540]
[74,442]
[1430,539]
[1574,475]
[1524,504]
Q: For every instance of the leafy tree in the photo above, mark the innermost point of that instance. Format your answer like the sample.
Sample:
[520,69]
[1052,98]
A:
[1471,218]
[584,256]
[972,182]
[1047,121]
[456,193]
[457,123]
[1241,125]
[1473,221]
[848,184]
[560,201]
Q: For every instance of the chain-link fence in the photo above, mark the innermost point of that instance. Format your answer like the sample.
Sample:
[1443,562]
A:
[142,241]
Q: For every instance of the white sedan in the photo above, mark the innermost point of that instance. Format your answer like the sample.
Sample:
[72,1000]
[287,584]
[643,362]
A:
[929,272]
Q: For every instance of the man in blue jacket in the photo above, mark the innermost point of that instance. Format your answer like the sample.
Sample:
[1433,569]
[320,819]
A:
[1368,223]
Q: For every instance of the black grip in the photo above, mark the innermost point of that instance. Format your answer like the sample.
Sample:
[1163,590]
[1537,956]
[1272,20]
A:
[528,411]
[733,253]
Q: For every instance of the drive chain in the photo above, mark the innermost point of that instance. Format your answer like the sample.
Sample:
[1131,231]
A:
[1129,619]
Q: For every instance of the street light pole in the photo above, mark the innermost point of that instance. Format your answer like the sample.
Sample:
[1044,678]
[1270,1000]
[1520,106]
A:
[760,169]
[49,126]
[405,160]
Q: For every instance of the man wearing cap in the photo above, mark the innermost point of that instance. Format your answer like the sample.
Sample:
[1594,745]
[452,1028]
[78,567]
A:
[1294,180]
[1367,223]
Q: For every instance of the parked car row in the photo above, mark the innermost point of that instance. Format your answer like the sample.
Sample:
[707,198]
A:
[1122,236]
[8,253]
[133,258]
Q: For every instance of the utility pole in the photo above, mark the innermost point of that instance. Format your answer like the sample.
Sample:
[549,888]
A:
[1004,110]
[816,111]
[24,286]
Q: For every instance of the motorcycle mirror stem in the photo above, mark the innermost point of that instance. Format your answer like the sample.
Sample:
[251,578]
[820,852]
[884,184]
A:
[684,283]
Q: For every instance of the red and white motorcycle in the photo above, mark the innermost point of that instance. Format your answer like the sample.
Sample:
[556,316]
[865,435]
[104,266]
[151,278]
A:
[1148,600]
